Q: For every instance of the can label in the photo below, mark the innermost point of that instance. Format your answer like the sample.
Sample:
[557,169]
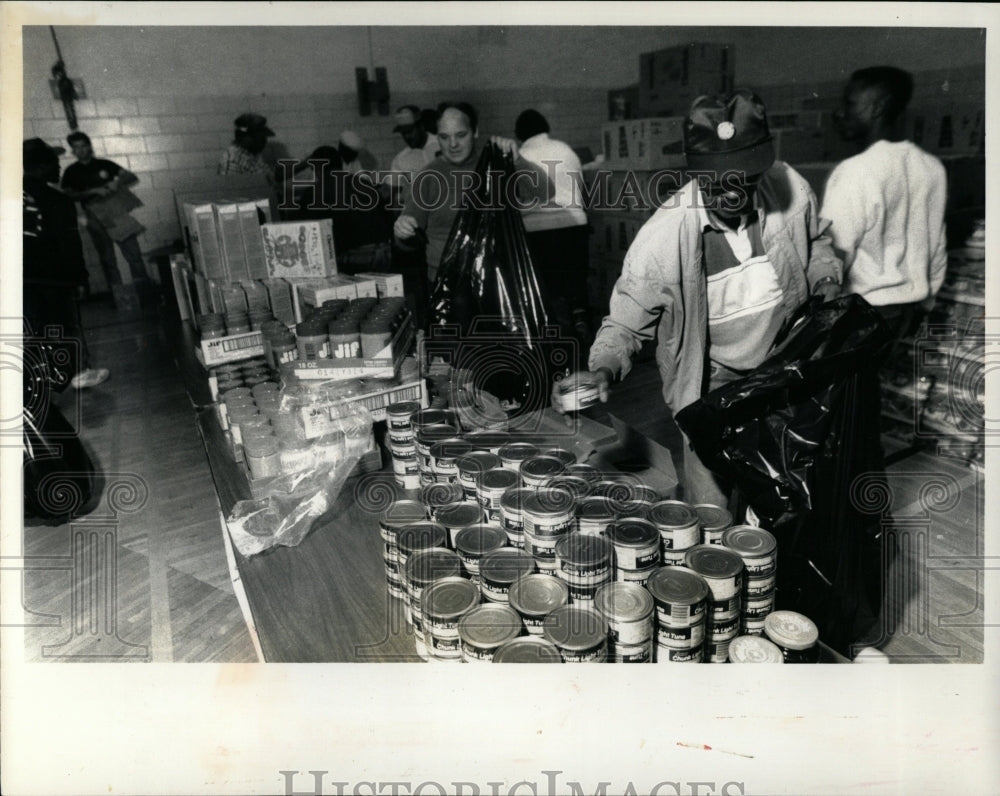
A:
[471,654]
[470,562]
[669,655]
[594,527]
[757,587]
[718,652]
[725,588]
[533,624]
[759,567]
[540,548]
[753,628]
[579,593]
[672,558]
[638,576]
[444,646]
[585,574]
[548,526]
[395,590]
[721,631]
[408,480]
[405,466]
[680,614]
[759,608]
[724,609]
[511,523]
[597,654]
[633,653]
[497,592]
[637,557]
[680,637]
[390,553]
[516,540]
[631,633]
[712,537]
[680,538]
[402,437]
[574,397]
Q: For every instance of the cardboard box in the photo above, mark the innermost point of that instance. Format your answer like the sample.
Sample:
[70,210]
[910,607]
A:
[670,79]
[252,214]
[232,348]
[365,287]
[948,128]
[623,103]
[299,249]
[319,420]
[180,273]
[279,297]
[204,240]
[227,221]
[386,285]
[384,365]
[644,143]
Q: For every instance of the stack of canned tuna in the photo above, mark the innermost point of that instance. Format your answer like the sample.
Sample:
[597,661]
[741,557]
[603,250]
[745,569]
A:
[508,539]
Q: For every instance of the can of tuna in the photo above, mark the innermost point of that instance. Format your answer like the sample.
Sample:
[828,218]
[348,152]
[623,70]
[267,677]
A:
[397,415]
[723,629]
[436,495]
[492,485]
[578,487]
[632,653]
[722,569]
[758,607]
[713,520]
[724,610]
[753,627]
[584,563]
[548,514]
[565,456]
[485,629]
[718,651]
[401,437]
[636,543]
[594,515]
[677,655]
[443,458]
[458,516]
[628,610]
[513,454]
[512,514]
[679,530]
[753,649]
[444,603]
[580,634]
[528,649]
[471,466]
[637,576]
[795,635]
[587,472]
[499,569]
[681,596]
[423,568]
[425,437]
[476,541]
[687,637]
[757,547]
[491,441]
[535,596]
[755,587]
[575,394]
[536,470]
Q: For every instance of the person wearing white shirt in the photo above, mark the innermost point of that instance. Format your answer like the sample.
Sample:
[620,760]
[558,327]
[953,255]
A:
[886,205]
[557,229]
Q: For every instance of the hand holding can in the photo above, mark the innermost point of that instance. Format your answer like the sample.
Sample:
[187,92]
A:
[580,390]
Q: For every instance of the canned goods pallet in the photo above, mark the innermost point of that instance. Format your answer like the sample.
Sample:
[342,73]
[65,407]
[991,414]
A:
[580,634]
[476,541]
[485,629]
[527,649]
[757,547]
[513,454]
[636,544]
[679,529]
[628,609]
[534,596]
[713,520]
[753,649]
[499,569]
[457,516]
[444,603]
[795,635]
[536,470]
[471,466]
[722,569]
[681,596]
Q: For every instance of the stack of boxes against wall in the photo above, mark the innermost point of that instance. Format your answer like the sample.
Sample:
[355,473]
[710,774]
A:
[506,550]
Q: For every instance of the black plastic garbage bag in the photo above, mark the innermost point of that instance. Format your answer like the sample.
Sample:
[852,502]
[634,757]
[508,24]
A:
[487,313]
[793,437]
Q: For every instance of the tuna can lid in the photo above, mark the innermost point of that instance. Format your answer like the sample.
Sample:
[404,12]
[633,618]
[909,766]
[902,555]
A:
[713,561]
[450,449]
[449,598]
[595,508]
[513,499]
[421,536]
[477,461]
[402,409]
[586,471]
[403,512]
[574,628]
[517,451]
[538,594]
[428,435]
[633,533]
[431,417]
[498,478]
[754,649]
[626,602]
[713,518]
[505,565]
[550,503]
[489,625]
[634,510]
[480,539]
[488,440]
[458,514]
[672,515]
[791,630]
[583,550]
[429,565]
[677,585]
[539,467]
[578,487]
[749,542]
[565,456]
[530,649]
[436,495]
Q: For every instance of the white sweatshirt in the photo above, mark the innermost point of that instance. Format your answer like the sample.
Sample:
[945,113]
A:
[886,208]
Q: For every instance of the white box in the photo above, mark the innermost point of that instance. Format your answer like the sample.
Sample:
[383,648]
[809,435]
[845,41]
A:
[386,284]
[205,246]
[364,287]
[299,249]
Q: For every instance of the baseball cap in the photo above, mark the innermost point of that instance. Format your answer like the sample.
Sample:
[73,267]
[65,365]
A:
[728,133]
[252,123]
[405,118]
[351,139]
[36,151]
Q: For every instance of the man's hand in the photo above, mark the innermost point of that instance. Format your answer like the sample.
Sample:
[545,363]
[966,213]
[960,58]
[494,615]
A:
[508,145]
[405,227]
[601,378]
[827,289]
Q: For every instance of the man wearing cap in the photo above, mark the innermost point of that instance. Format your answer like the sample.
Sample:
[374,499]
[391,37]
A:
[355,156]
[718,268]
[421,148]
[243,156]
[54,274]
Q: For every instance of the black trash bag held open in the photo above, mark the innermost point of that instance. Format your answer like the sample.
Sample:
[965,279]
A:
[488,316]
[793,437]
